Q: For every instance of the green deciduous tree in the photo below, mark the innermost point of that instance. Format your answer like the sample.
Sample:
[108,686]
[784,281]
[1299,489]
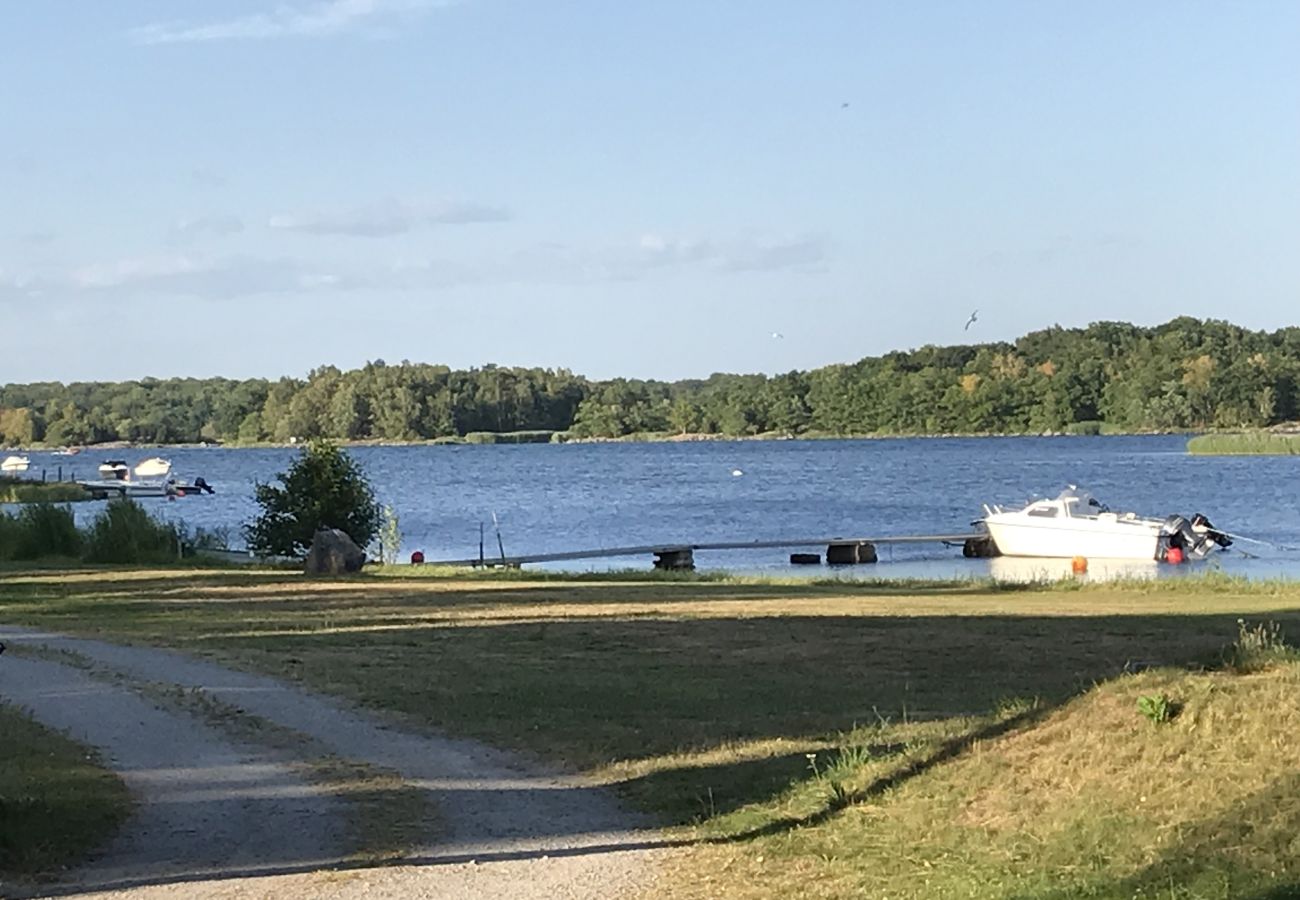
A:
[323,488]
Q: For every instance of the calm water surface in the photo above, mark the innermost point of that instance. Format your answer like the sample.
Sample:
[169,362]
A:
[551,498]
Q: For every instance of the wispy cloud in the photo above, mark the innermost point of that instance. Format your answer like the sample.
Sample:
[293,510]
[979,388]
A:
[212,278]
[231,277]
[734,255]
[191,230]
[315,20]
[388,217]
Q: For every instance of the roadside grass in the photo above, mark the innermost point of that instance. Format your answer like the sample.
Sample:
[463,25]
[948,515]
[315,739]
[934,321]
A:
[57,802]
[953,727]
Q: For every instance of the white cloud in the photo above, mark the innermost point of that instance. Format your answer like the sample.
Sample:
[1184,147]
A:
[387,217]
[214,277]
[190,230]
[321,19]
[736,255]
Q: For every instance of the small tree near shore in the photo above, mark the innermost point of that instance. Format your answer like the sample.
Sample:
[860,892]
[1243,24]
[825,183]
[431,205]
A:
[323,488]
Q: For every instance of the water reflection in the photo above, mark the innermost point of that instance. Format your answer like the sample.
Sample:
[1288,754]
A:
[1022,569]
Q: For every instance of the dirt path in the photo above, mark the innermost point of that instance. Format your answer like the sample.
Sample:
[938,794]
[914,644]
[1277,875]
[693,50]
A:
[219,817]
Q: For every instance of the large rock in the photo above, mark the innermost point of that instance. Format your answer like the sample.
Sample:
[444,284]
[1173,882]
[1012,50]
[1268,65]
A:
[333,553]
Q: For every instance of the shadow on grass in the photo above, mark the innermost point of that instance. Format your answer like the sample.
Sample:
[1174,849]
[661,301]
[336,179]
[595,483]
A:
[946,752]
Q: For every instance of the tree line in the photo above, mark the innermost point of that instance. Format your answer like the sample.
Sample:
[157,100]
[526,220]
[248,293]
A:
[1184,374]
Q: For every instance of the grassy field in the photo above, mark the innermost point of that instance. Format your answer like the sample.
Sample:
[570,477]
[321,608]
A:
[829,740]
[56,801]
[1249,443]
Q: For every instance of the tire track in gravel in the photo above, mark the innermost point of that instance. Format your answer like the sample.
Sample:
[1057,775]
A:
[205,805]
[508,829]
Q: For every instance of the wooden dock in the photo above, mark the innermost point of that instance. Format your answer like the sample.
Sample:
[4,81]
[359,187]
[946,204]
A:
[839,550]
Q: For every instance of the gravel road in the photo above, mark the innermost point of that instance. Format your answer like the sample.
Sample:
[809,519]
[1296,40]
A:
[221,817]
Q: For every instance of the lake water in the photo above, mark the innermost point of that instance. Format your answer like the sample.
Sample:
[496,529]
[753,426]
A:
[553,498]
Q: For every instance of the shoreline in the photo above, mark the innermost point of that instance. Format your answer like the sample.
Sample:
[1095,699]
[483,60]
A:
[502,439]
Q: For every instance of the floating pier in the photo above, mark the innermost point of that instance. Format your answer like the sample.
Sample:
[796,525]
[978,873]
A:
[839,551]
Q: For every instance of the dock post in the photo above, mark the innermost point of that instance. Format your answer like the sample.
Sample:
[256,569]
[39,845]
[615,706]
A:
[850,553]
[680,558]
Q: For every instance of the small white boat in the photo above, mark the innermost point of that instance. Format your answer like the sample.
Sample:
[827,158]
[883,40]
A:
[14,465]
[1076,524]
[154,467]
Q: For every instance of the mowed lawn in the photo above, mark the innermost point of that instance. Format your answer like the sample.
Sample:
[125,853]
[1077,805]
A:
[701,699]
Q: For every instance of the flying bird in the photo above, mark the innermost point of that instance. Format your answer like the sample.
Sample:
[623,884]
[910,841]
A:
[971,321]
[776,336]
[844,105]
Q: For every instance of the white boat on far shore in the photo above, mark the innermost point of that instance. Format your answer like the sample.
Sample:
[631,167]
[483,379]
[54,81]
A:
[1075,524]
[14,465]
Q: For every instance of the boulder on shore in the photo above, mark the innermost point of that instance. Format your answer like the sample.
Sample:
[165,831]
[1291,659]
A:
[333,553]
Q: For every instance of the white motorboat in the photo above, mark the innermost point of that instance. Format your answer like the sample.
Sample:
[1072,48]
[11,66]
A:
[1076,524]
[150,478]
[14,465]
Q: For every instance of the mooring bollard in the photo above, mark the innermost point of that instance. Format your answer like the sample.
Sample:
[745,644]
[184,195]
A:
[851,553]
[675,558]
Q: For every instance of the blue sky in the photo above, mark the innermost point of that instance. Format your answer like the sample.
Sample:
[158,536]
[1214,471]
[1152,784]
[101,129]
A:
[647,189]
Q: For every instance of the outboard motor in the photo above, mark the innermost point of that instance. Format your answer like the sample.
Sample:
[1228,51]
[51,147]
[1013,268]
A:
[1176,533]
[1203,526]
[202,485]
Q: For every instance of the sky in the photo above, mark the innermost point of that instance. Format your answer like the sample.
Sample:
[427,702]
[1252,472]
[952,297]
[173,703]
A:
[668,189]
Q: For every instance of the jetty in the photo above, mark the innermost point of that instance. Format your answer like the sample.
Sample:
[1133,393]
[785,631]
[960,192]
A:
[839,551]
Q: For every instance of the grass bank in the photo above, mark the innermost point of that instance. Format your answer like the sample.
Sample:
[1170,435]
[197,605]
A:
[836,739]
[56,801]
[21,490]
[1250,443]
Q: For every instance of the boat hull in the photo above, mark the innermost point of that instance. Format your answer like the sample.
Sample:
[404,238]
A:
[1067,538]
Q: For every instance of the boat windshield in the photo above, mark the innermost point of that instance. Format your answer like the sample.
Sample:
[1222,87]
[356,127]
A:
[1081,502]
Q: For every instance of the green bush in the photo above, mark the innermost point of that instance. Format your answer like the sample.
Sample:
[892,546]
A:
[39,530]
[1089,427]
[323,488]
[125,533]
[8,536]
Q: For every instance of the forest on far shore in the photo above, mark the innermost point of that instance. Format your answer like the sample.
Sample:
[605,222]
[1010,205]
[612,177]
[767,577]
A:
[1185,374]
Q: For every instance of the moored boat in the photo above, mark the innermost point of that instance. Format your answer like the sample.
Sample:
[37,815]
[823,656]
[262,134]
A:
[14,465]
[150,478]
[1075,524]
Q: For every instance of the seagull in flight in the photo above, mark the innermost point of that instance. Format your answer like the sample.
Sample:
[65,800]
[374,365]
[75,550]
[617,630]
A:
[971,321]
[777,336]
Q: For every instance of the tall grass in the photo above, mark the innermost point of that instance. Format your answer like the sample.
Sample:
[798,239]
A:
[18,490]
[122,533]
[125,533]
[37,531]
[1251,443]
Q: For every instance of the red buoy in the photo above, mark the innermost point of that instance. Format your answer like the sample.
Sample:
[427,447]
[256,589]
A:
[1174,555]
